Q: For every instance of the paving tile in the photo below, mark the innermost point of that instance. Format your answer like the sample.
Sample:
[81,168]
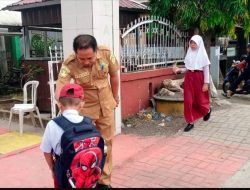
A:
[214,153]
[207,169]
[3,130]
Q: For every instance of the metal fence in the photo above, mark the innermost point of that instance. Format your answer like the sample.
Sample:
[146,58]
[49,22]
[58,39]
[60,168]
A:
[151,42]
[56,57]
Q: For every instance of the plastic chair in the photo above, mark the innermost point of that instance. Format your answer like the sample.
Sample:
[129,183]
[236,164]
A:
[27,107]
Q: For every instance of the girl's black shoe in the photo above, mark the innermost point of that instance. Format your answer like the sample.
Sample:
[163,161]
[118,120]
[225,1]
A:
[207,117]
[188,127]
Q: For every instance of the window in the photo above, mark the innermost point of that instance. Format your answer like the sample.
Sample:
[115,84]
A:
[40,39]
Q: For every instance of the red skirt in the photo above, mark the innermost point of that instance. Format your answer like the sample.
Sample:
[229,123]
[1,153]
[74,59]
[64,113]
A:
[196,102]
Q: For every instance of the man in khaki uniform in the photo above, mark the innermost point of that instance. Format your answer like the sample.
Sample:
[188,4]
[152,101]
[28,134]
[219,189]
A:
[90,66]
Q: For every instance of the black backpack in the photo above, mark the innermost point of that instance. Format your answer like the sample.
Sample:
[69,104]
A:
[82,159]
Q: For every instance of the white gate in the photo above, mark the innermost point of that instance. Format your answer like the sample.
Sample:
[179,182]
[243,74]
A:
[151,42]
[56,57]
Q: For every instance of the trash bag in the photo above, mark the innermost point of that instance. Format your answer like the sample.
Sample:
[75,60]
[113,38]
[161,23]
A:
[213,90]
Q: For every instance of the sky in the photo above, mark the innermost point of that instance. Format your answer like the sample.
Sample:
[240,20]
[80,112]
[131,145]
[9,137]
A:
[4,3]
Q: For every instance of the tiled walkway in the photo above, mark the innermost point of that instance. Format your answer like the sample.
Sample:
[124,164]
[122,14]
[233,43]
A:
[214,154]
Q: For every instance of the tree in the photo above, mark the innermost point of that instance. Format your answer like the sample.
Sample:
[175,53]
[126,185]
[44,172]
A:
[206,17]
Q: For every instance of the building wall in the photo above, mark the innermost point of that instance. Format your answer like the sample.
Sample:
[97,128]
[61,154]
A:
[128,16]
[138,88]
[49,16]
[98,18]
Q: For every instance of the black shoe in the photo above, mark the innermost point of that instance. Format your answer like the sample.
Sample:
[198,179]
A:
[188,127]
[207,117]
[102,186]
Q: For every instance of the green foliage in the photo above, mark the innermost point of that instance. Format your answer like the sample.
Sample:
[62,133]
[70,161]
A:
[216,17]
[38,44]
[31,72]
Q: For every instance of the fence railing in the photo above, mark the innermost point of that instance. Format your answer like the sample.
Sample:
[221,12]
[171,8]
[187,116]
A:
[56,57]
[151,42]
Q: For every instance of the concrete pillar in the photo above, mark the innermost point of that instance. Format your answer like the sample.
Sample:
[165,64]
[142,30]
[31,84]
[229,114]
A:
[96,17]
[215,64]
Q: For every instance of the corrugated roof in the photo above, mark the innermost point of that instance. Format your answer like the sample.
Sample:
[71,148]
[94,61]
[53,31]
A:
[128,4]
[10,18]
[25,2]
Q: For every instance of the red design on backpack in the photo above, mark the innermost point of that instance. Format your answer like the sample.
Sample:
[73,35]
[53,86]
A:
[86,143]
[84,167]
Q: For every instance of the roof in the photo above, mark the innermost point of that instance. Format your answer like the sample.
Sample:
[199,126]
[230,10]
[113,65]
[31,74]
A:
[131,4]
[24,4]
[10,18]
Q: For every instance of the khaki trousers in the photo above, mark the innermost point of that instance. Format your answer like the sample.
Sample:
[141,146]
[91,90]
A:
[106,127]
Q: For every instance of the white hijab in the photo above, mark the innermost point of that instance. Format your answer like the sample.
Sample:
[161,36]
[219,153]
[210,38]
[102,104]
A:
[196,59]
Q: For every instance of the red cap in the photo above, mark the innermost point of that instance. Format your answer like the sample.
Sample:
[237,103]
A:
[72,91]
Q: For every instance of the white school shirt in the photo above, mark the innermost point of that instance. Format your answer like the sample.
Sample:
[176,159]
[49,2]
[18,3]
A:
[205,70]
[52,134]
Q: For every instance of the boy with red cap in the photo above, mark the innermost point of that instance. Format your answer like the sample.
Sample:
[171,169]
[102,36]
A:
[70,102]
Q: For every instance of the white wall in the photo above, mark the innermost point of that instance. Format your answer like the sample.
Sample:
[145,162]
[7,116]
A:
[99,18]
[215,64]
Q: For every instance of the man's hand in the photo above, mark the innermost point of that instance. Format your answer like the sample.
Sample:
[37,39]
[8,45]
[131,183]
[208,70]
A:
[205,87]
[117,99]
[114,81]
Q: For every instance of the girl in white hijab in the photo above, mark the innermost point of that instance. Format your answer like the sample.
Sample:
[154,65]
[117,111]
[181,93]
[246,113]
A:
[196,82]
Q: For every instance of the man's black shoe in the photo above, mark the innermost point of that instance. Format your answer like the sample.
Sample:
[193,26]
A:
[102,186]
[188,127]
[207,117]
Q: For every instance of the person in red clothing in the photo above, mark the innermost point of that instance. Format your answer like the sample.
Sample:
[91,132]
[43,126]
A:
[196,82]
[241,67]
[244,76]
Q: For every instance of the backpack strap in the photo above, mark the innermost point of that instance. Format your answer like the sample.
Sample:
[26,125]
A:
[62,122]
[65,124]
[87,120]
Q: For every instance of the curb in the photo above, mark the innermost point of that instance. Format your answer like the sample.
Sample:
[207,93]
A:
[15,152]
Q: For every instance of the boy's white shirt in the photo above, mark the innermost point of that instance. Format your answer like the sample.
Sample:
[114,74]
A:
[52,134]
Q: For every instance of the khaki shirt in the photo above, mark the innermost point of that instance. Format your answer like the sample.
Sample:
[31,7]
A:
[98,95]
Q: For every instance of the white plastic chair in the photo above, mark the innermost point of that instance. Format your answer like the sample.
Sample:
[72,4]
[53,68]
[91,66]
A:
[27,107]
